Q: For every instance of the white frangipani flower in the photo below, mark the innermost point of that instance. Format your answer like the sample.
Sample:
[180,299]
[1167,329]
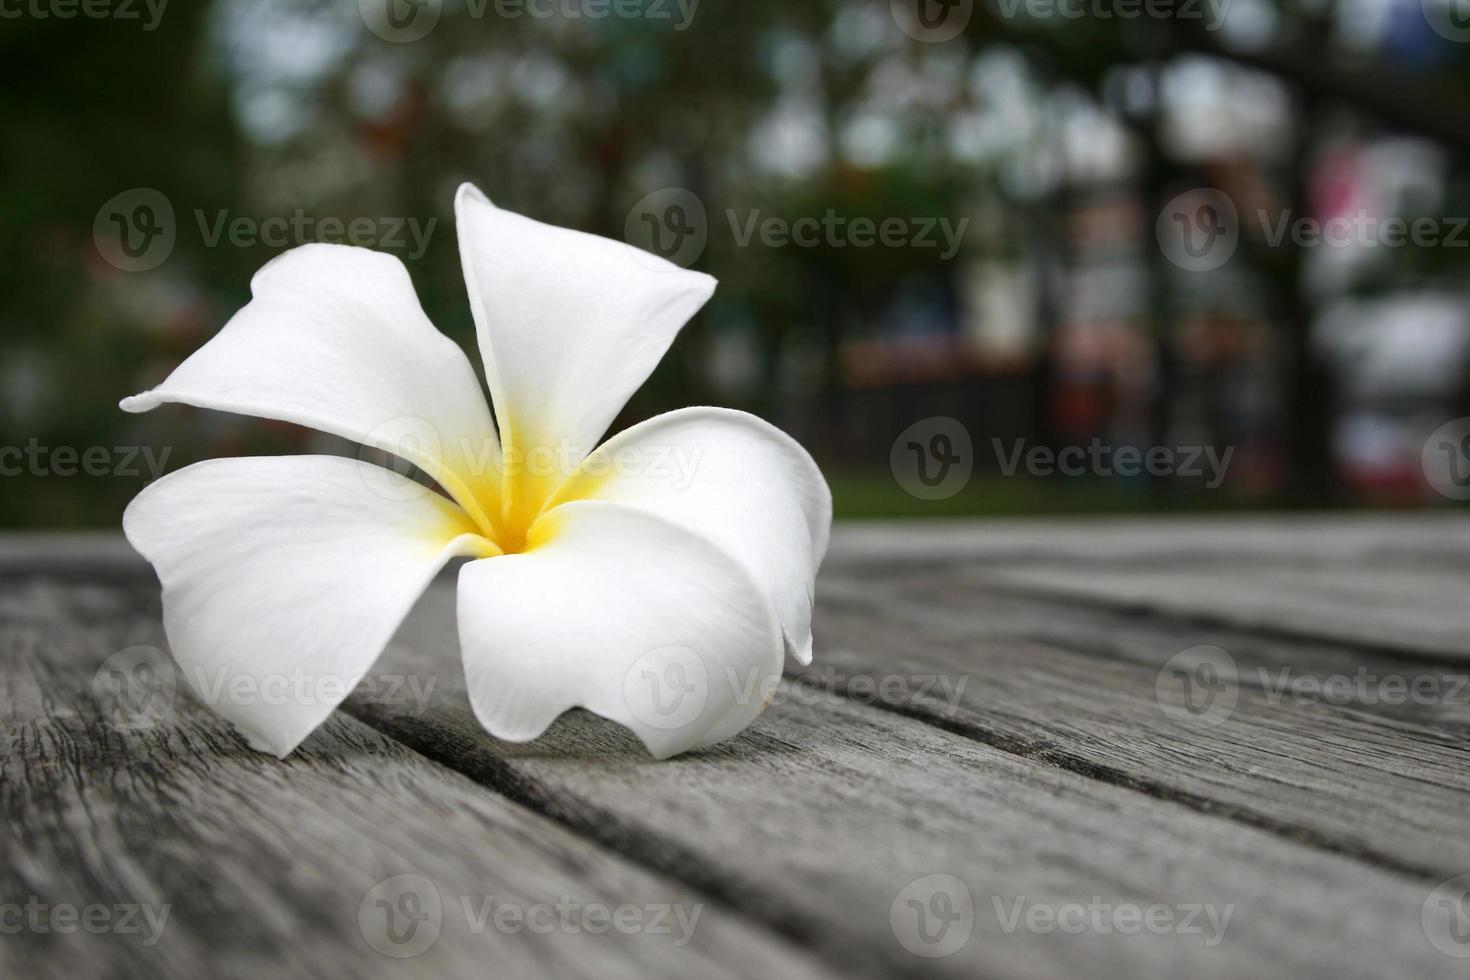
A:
[658,581]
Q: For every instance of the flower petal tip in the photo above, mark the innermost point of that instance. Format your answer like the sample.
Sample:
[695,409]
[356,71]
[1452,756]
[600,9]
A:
[468,192]
[704,285]
[139,403]
[280,748]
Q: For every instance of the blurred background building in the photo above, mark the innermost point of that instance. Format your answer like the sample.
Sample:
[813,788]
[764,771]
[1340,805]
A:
[1148,224]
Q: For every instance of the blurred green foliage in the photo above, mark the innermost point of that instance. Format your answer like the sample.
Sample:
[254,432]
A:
[257,108]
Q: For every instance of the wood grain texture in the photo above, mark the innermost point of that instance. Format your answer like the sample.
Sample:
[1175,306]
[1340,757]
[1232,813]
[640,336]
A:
[1395,584]
[265,866]
[1022,761]
[972,605]
[1329,539]
[823,813]
[1084,689]
[1409,606]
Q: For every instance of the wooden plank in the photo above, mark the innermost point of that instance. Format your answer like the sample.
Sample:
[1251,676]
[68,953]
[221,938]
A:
[1406,605]
[1435,692]
[270,868]
[1009,672]
[826,818]
[1363,537]
[84,553]
[1391,581]
[1394,582]
[1341,538]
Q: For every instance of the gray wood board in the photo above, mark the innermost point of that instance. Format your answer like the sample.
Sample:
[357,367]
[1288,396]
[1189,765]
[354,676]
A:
[1361,537]
[273,868]
[1086,690]
[1397,605]
[1054,781]
[822,814]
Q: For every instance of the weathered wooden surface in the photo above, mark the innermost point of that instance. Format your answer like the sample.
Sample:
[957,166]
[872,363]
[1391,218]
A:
[996,705]
[264,867]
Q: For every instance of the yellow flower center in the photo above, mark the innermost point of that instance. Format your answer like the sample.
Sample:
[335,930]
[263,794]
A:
[510,507]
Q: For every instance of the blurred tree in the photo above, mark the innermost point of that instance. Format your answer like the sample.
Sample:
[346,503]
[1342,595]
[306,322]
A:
[259,108]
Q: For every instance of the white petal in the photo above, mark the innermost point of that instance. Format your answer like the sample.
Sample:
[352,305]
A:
[735,479]
[284,578]
[626,615]
[570,324]
[334,338]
